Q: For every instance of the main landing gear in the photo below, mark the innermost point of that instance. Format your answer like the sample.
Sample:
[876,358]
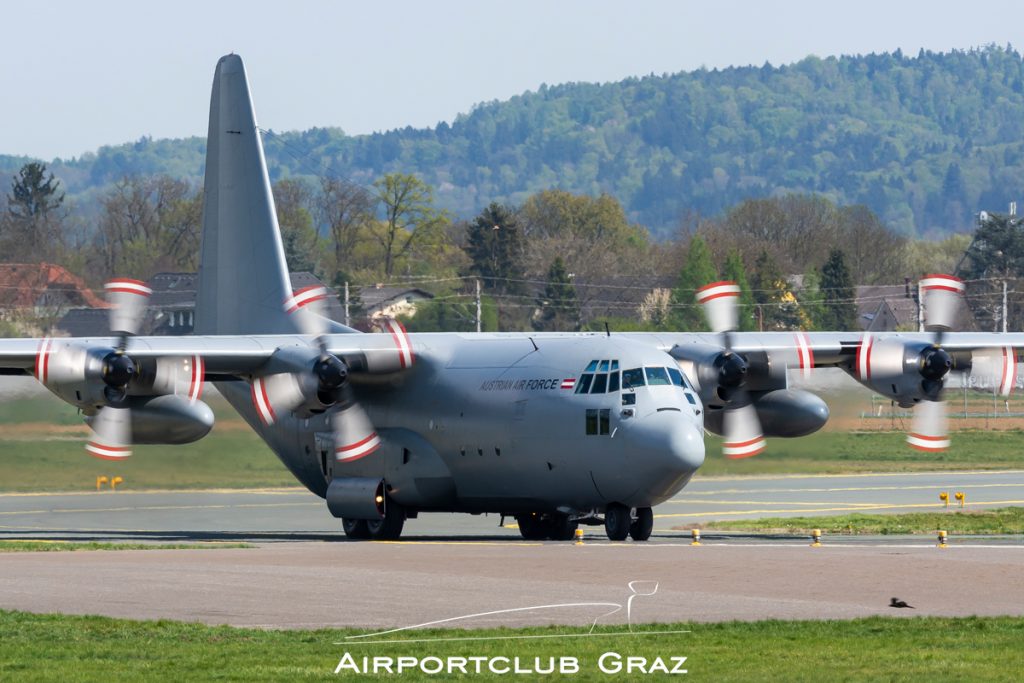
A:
[542,526]
[387,529]
[620,521]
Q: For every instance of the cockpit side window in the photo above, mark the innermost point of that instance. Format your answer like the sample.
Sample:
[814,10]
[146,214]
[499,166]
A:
[600,384]
[583,386]
[657,377]
[677,377]
[632,379]
[613,382]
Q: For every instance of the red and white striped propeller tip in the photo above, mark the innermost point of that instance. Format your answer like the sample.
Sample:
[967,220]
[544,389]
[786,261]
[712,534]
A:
[941,294]
[112,434]
[742,432]
[128,300]
[720,300]
[309,305]
[929,431]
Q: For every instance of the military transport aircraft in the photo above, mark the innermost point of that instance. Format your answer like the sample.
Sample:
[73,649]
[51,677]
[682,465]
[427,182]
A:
[553,429]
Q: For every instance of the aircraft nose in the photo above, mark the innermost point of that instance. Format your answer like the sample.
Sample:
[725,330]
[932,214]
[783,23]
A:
[672,443]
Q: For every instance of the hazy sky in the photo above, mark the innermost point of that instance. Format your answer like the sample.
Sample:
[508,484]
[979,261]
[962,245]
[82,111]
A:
[77,75]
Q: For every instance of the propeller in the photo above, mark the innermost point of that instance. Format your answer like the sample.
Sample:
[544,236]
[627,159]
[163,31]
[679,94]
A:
[929,430]
[317,386]
[740,424]
[111,426]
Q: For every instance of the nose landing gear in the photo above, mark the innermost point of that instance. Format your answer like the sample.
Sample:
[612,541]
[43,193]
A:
[619,522]
[539,527]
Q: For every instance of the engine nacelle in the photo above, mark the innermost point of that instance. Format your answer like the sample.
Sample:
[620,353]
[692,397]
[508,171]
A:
[167,419]
[699,363]
[904,371]
[356,497]
[783,412]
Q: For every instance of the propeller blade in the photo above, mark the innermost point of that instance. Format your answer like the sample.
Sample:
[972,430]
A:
[112,434]
[354,435]
[309,306]
[128,299]
[742,431]
[941,295]
[719,300]
[182,376]
[929,431]
[994,369]
[281,392]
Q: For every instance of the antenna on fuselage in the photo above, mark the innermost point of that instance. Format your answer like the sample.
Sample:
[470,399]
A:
[607,330]
[534,344]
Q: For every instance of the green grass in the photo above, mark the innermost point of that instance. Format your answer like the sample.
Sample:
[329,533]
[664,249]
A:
[833,452]
[15,546]
[1008,520]
[63,648]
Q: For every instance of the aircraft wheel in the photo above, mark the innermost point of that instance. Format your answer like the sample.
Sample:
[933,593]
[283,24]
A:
[532,527]
[617,521]
[389,528]
[355,529]
[560,528]
[643,525]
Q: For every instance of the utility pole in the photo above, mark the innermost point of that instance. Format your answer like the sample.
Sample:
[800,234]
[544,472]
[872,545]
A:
[920,307]
[346,304]
[1005,310]
[478,310]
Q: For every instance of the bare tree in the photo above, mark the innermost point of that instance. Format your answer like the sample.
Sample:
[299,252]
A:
[346,209]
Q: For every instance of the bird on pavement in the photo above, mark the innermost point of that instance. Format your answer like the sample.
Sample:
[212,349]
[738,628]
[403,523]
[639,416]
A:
[896,602]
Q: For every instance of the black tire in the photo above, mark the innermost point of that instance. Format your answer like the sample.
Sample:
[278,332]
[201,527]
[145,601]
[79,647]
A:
[355,529]
[389,528]
[560,528]
[643,525]
[532,527]
[617,521]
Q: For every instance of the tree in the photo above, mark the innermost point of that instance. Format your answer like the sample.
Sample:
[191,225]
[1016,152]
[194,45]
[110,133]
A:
[734,270]
[32,228]
[699,270]
[346,210]
[838,294]
[292,198]
[494,245]
[777,306]
[559,309]
[409,217]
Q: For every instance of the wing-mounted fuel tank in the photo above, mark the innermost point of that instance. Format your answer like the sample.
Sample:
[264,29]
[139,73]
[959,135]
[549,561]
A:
[719,374]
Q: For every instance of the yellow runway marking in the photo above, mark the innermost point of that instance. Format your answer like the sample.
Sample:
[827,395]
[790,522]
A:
[514,544]
[936,487]
[157,507]
[716,513]
[135,492]
[931,473]
[762,502]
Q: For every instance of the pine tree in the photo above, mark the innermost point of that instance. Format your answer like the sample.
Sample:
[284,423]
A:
[699,270]
[559,307]
[734,270]
[838,293]
[32,228]
[495,246]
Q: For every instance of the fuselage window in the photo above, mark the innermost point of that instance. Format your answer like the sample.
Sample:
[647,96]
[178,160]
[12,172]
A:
[600,384]
[691,399]
[657,377]
[632,378]
[605,418]
[599,421]
[613,382]
[584,384]
[591,421]
[677,377]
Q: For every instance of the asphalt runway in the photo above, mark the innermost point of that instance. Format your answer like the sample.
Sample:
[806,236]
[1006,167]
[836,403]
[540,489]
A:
[302,575]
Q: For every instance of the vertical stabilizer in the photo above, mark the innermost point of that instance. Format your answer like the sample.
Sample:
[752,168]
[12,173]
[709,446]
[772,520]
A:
[243,277]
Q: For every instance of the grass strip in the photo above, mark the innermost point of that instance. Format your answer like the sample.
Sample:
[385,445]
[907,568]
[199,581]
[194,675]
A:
[1007,520]
[34,546]
[84,648]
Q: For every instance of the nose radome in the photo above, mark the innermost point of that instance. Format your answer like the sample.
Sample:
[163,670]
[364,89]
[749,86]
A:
[672,442]
[686,445]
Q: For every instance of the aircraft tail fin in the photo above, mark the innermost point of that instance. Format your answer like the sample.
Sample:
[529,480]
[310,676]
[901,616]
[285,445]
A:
[243,276]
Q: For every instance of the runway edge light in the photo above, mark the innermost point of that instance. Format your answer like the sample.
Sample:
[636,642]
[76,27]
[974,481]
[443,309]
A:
[100,481]
[816,538]
[944,497]
[115,481]
[942,538]
[696,537]
[961,497]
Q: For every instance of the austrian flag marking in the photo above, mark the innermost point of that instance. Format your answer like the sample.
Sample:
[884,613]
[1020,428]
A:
[568,383]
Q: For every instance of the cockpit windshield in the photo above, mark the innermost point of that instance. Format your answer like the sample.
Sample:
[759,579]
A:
[631,379]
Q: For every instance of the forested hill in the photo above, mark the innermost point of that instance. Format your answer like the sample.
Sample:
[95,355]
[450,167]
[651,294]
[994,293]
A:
[925,141]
